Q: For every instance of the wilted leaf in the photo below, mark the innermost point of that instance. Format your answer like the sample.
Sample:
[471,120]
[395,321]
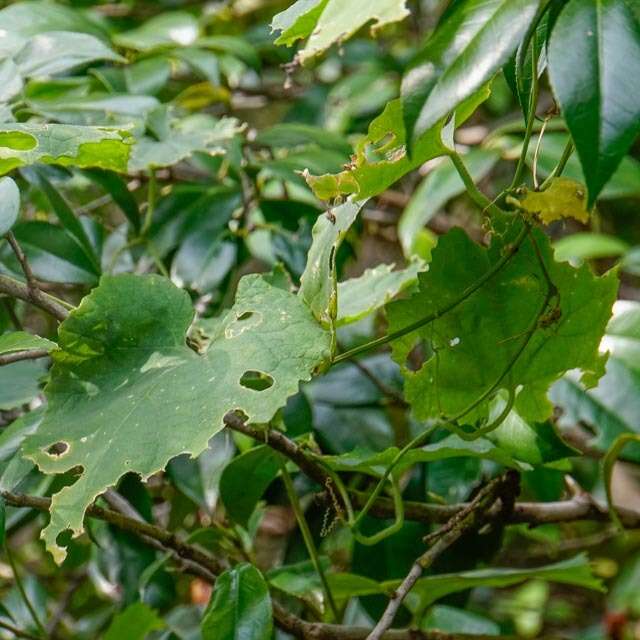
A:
[563,198]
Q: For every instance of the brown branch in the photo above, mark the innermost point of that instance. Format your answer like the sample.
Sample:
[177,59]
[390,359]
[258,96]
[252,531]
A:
[27,354]
[36,297]
[581,506]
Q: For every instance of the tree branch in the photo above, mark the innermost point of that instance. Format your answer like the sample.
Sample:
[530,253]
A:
[36,297]
[27,354]
[475,514]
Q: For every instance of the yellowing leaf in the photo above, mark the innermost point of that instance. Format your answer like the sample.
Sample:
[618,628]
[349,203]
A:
[564,198]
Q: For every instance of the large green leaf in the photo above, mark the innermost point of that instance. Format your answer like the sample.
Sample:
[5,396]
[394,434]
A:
[575,571]
[240,607]
[612,408]
[67,145]
[472,347]
[127,394]
[440,78]
[326,22]
[358,297]
[9,204]
[594,67]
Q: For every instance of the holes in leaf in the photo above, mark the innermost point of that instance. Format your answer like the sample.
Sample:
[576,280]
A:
[418,356]
[256,380]
[58,449]
[244,316]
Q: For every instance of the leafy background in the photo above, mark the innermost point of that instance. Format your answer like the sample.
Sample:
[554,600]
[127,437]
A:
[195,143]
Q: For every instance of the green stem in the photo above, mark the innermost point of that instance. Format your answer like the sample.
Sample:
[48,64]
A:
[469,291]
[474,193]
[307,537]
[23,593]
[562,163]
[531,117]
[152,196]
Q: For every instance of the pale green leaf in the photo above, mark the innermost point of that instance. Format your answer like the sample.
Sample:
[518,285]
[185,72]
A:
[127,394]
[20,383]
[173,28]
[67,145]
[588,246]
[318,282]
[10,80]
[361,296]
[20,341]
[326,22]
[9,204]
[195,133]
[54,52]
[472,347]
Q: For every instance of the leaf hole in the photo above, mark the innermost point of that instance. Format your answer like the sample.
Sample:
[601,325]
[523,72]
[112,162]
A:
[417,356]
[244,316]
[256,380]
[58,449]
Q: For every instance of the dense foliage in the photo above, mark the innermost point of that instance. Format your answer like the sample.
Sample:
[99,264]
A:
[319,319]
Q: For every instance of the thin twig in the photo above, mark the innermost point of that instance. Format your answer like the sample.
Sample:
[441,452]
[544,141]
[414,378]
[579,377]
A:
[36,297]
[18,633]
[471,517]
[27,354]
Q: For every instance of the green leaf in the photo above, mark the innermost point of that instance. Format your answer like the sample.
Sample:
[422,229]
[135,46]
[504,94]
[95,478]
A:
[594,68]
[317,284]
[359,297]
[326,22]
[66,145]
[575,571]
[469,349]
[20,383]
[245,479]
[439,80]
[193,133]
[35,16]
[240,607]
[124,378]
[54,255]
[458,621]
[117,188]
[21,341]
[10,80]
[54,52]
[66,216]
[136,622]
[293,134]
[589,246]
[611,408]
[381,156]
[3,519]
[9,204]
[441,185]
[167,29]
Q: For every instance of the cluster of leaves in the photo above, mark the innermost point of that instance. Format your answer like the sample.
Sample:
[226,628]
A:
[213,220]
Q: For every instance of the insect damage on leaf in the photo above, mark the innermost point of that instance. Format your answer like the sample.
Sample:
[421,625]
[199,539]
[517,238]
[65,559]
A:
[129,394]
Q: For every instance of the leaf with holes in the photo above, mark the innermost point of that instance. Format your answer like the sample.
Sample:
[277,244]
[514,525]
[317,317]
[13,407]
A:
[127,394]
[473,348]
[67,145]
